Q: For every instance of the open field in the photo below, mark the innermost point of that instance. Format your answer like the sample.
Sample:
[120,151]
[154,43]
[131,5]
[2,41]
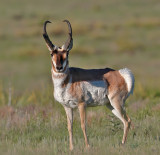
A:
[112,34]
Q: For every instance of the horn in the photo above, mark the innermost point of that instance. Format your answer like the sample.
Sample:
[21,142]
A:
[69,43]
[46,37]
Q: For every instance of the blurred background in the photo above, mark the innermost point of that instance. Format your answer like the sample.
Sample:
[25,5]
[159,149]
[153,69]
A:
[112,34]
[106,33]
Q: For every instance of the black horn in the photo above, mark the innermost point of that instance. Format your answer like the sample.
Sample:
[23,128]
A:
[46,37]
[69,43]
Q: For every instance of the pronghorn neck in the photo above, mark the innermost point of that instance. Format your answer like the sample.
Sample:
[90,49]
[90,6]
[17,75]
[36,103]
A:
[61,83]
[60,79]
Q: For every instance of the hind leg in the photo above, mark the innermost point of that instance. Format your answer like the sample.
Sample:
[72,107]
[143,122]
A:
[117,109]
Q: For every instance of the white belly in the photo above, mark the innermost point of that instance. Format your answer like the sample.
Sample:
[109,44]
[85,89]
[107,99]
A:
[95,93]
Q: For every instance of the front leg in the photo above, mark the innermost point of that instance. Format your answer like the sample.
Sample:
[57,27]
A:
[82,112]
[69,113]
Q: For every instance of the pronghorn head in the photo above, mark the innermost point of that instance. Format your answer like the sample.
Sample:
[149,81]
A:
[59,55]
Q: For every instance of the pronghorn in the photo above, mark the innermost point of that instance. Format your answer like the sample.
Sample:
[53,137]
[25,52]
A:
[76,87]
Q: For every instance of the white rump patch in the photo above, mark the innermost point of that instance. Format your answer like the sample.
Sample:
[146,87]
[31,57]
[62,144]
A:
[129,79]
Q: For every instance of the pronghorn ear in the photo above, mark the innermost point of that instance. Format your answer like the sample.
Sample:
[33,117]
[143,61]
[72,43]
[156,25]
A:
[69,47]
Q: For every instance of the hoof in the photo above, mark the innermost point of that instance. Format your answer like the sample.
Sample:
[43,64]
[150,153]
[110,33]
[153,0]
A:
[123,143]
[87,147]
[71,148]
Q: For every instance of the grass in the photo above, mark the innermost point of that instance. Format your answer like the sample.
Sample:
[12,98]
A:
[36,124]
[113,34]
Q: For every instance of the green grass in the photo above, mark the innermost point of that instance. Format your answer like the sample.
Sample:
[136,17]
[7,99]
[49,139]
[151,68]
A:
[112,34]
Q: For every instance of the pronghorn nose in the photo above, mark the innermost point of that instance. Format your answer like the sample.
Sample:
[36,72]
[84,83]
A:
[59,68]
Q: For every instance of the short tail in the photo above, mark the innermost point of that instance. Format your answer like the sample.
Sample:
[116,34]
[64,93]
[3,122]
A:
[129,79]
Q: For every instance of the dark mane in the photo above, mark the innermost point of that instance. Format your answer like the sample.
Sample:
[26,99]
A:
[79,74]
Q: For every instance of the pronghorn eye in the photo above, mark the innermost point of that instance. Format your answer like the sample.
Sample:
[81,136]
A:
[52,54]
